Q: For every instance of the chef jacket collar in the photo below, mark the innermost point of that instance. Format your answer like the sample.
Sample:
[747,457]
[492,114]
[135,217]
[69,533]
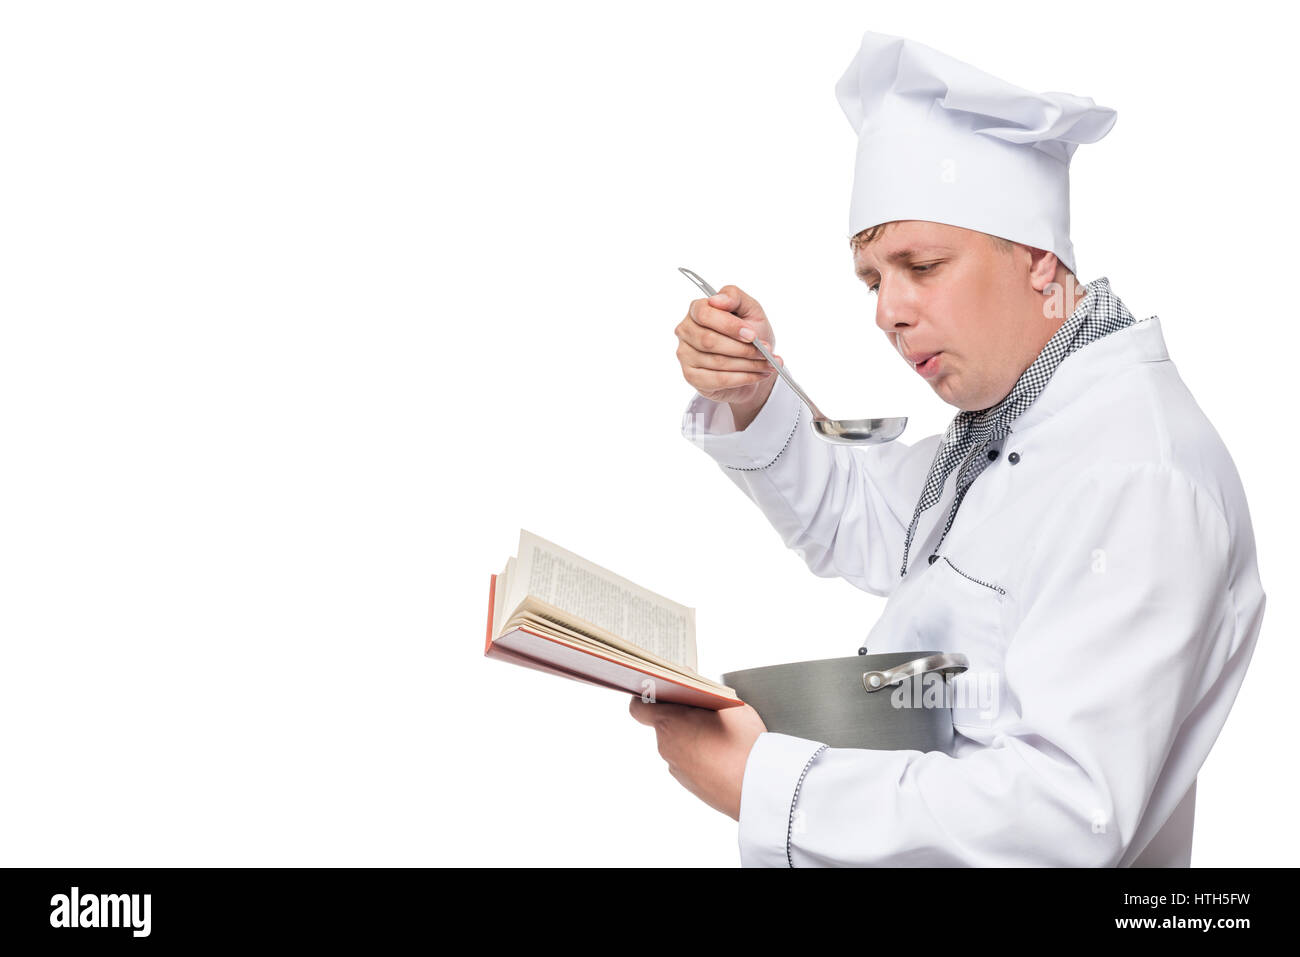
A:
[1089,367]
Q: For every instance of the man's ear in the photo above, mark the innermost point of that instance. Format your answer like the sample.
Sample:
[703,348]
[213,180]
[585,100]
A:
[1042,268]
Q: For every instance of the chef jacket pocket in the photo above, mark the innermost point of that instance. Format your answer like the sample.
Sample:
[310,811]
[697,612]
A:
[969,606]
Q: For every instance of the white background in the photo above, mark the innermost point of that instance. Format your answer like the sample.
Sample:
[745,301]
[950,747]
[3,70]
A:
[309,307]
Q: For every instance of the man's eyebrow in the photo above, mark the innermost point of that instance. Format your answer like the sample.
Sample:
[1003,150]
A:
[901,255]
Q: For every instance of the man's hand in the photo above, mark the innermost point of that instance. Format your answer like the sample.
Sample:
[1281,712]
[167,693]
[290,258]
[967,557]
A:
[706,750]
[717,359]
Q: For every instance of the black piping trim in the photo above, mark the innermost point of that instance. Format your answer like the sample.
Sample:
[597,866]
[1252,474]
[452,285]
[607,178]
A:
[798,414]
[997,588]
[789,831]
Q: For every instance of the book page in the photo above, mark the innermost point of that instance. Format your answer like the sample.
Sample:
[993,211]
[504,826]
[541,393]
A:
[604,649]
[594,594]
[548,619]
[499,601]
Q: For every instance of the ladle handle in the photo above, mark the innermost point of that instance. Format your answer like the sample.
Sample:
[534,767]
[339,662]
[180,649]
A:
[789,379]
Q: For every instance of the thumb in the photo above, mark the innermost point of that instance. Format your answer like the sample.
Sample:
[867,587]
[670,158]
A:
[738,302]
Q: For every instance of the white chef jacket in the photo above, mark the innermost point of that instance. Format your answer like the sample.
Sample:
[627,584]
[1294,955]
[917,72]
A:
[1102,568]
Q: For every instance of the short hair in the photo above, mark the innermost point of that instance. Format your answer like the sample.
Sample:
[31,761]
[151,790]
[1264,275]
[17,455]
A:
[872,233]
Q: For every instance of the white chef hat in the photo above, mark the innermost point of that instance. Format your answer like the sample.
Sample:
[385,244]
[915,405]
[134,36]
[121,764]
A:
[939,140]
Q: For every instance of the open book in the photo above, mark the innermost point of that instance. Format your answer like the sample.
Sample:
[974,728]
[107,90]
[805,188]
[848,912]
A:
[556,612]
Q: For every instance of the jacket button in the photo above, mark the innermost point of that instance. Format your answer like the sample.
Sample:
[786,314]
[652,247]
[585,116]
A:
[993,453]
[862,650]
[933,559]
[1013,458]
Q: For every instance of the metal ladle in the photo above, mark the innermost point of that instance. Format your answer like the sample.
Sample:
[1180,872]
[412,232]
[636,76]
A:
[839,431]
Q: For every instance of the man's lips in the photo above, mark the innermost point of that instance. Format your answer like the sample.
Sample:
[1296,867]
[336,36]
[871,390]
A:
[926,363]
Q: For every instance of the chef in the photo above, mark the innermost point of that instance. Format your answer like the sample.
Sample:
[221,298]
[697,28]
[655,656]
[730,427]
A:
[1079,531]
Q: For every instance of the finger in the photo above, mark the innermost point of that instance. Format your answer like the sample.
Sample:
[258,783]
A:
[711,342]
[768,345]
[641,710]
[705,380]
[654,712]
[671,710]
[717,362]
[707,317]
[735,300]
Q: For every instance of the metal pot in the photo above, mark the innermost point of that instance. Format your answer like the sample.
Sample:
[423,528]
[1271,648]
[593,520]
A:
[884,702]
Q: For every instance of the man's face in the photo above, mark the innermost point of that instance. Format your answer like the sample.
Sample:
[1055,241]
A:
[953,291]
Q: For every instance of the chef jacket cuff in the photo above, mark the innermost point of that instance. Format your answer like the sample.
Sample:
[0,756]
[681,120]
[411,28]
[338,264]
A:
[711,426]
[769,797]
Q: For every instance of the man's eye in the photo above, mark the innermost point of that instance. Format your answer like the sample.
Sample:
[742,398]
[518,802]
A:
[927,267]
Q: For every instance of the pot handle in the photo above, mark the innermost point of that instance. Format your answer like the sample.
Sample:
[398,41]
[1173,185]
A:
[948,664]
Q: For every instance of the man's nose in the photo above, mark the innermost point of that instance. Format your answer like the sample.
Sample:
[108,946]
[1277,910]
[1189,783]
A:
[889,315]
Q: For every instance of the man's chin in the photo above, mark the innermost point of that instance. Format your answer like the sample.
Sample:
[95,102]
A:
[966,405]
[943,388]
[953,394]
